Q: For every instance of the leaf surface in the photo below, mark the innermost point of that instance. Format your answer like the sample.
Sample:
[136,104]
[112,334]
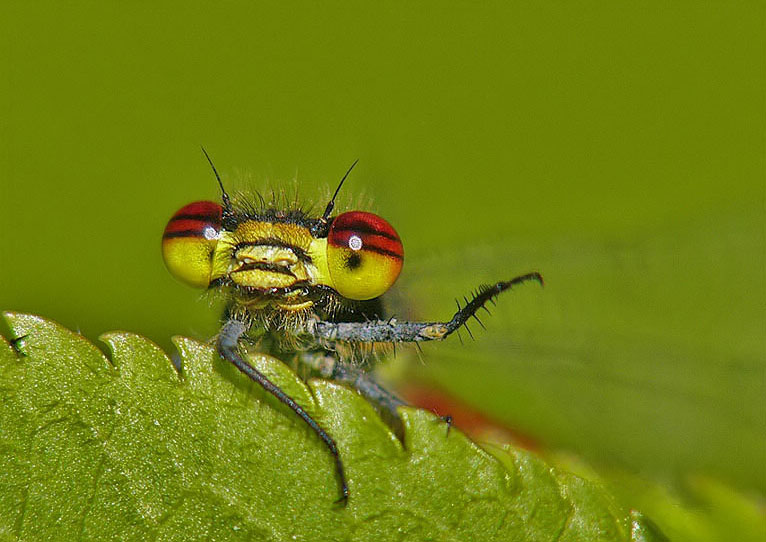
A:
[130,449]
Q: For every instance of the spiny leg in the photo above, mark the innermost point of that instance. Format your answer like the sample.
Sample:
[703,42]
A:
[385,402]
[393,332]
[228,341]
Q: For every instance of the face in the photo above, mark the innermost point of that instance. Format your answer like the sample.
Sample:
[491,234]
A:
[282,259]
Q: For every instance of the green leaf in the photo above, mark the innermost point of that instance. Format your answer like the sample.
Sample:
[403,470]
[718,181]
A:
[646,353]
[132,450]
[706,510]
[690,509]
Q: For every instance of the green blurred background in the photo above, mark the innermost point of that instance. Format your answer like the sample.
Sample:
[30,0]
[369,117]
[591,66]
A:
[618,149]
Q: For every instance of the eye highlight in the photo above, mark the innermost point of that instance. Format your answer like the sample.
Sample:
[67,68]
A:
[364,254]
[189,242]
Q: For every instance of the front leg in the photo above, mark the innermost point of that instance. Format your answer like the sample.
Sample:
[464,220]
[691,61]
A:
[227,346]
[392,331]
[384,402]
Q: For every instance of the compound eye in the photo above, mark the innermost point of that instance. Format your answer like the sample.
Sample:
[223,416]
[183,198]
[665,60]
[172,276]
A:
[189,242]
[364,254]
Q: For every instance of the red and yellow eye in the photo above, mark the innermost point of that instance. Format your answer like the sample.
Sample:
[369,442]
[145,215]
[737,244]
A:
[364,255]
[189,242]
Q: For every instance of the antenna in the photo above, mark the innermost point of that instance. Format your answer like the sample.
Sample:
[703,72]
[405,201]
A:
[331,205]
[224,195]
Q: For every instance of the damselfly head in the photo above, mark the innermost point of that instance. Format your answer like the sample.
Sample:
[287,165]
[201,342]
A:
[283,259]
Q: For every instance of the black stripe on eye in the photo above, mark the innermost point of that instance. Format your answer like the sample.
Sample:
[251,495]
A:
[183,233]
[383,251]
[363,228]
[212,216]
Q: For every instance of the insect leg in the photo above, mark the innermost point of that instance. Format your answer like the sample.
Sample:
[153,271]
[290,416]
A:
[228,341]
[391,331]
[447,420]
[364,382]
[16,345]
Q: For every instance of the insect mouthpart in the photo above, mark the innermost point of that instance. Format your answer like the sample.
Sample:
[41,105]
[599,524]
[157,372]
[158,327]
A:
[266,259]
[264,256]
